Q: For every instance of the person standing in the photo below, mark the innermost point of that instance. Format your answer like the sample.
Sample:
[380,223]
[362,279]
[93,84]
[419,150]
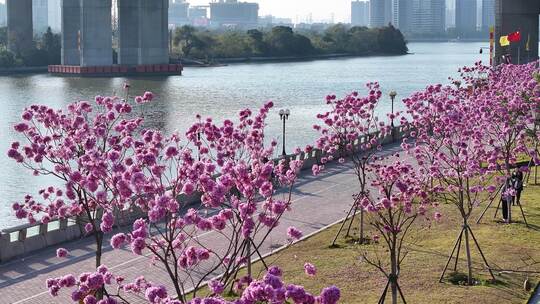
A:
[507,197]
[518,186]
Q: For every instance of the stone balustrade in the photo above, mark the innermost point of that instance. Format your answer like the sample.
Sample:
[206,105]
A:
[24,239]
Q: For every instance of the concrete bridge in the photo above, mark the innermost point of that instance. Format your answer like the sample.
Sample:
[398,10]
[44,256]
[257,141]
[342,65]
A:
[512,16]
[87,31]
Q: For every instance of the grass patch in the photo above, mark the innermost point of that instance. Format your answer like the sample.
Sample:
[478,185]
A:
[511,250]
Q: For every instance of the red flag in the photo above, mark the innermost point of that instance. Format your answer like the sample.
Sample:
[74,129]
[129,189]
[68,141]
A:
[514,37]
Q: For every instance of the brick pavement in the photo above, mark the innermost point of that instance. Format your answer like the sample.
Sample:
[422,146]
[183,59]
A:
[318,202]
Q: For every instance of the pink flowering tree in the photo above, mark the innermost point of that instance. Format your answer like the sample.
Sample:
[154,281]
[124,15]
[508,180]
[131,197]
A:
[348,120]
[84,148]
[447,140]
[243,194]
[252,187]
[506,100]
[402,199]
[270,289]
[229,166]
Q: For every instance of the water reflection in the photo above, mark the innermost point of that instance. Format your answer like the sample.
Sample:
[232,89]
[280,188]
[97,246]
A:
[221,92]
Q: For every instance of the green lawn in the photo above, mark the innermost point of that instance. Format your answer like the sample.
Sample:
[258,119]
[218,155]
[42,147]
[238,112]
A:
[505,247]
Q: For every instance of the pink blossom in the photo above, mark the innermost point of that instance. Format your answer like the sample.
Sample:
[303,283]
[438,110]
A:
[294,233]
[88,227]
[316,169]
[216,287]
[310,269]
[329,295]
[118,240]
[148,96]
[155,294]
[61,253]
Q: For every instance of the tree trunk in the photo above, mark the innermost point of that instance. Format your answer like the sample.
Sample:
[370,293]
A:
[249,259]
[361,241]
[394,276]
[468,250]
[99,247]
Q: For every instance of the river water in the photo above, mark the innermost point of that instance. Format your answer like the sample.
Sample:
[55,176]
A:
[221,92]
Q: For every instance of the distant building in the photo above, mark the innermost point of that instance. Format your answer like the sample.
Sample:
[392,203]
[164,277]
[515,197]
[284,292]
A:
[282,21]
[269,20]
[428,17]
[178,12]
[450,17]
[234,13]
[198,15]
[402,14]
[198,12]
[3,19]
[360,13]
[488,14]
[380,13]
[465,17]
[315,26]
[40,16]
[55,22]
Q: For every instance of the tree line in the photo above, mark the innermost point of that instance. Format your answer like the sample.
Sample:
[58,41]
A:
[46,50]
[280,41]
[199,43]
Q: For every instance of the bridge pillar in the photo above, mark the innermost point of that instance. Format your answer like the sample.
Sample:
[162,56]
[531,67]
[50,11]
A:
[154,32]
[71,24]
[19,23]
[512,16]
[128,32]
[143,32]
[96,33]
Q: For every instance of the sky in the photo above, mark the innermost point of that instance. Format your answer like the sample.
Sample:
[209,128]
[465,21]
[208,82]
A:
[320,9]
[300,10]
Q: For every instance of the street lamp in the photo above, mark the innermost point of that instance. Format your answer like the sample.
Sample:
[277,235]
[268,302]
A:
[393,95]
[284,116]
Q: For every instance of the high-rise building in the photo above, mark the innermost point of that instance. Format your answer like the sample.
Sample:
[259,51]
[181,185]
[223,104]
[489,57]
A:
[40,16]
[360,13]
[465,17]
[428,17]
[380,13]
[55,22]
[450,14]
[488,14]
[402,14]
[234,13]
[3,19]
[178,12]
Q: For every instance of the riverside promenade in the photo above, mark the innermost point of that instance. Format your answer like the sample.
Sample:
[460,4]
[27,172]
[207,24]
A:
[318,202]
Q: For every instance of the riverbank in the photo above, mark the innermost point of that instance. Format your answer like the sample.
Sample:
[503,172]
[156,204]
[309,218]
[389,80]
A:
[24,70]
[218,62]
[443,40]
[281,59]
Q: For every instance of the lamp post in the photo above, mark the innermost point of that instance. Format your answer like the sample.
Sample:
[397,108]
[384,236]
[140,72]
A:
[393,95]
[284,116]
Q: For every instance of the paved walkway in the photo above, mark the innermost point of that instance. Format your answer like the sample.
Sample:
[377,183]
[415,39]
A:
[318,202]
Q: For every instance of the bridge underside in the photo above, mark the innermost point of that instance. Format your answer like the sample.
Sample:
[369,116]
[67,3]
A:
[512,16]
